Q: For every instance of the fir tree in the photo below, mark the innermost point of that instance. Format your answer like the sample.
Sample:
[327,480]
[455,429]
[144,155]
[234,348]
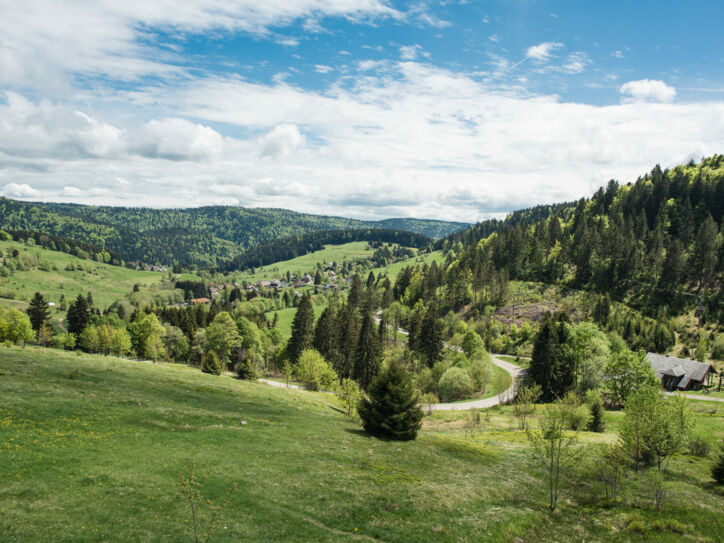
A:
[391,409]
[77,316]
[302,330]
[38,311]
[347,336]
[549,367]
[430,339]
[595,423]
[368,353]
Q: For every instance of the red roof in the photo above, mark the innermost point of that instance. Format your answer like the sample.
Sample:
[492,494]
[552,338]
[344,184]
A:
[200,301]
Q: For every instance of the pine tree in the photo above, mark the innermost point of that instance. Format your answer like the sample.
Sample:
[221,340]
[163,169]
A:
[595,423]
[354,298]
[77,316]
[391,410]
[302,330]
[368,353]
[549,367]
[38,311]
[347,336]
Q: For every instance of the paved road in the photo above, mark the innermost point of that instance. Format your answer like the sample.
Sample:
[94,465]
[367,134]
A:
[514,371]
[281,385]
[696,397]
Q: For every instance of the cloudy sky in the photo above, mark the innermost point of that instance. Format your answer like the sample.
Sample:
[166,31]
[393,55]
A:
[453,109]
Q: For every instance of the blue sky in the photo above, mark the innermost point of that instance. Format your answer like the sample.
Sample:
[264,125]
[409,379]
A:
[367,108]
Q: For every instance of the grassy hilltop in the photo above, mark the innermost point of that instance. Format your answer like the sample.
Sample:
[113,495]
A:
[90,449]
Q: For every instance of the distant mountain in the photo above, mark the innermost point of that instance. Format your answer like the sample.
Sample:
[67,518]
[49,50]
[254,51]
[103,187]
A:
[194,237]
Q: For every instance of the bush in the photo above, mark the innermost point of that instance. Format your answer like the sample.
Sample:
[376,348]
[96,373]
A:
[479,371]
[595,404]
[315,372]
[717,470]
[425,382]
[455,384]
[699,446]
[391,410]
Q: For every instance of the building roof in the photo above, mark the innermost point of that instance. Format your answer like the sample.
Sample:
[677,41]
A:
[670,365]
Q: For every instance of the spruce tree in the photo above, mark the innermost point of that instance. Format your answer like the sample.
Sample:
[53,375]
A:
[211,363]
[325,334]
[347,337]
[595,423]
[302,330]
[430,339]
[77,316]
[391,408]
[549,367]
[368,353]
[38,311]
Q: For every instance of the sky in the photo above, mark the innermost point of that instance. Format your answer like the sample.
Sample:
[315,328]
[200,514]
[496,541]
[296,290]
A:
[455,110]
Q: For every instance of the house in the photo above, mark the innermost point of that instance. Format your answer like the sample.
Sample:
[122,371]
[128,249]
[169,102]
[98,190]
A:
[200,301]
[680,373]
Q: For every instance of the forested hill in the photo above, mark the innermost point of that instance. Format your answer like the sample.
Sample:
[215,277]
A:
[199,237]
[656,243]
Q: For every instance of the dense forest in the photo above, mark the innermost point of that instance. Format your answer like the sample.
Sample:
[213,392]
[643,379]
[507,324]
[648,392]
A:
[199,237]
[648,251]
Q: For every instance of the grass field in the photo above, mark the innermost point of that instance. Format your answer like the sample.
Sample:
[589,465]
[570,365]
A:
[286,316]
[105,282]
[90,450]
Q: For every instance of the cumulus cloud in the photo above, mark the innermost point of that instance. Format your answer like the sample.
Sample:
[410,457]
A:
[409,52]
[543,51]
[178,139]
[23,190]
[322,68]
[74,192]
[281,141]
[647,90]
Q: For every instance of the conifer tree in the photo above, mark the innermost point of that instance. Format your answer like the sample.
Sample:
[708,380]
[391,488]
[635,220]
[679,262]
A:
[302,330]
[549,367]
[347,336]
[430,340]
[38,311]
[368,353]
[211,363]
[78,314]
[391,408]
[325,334]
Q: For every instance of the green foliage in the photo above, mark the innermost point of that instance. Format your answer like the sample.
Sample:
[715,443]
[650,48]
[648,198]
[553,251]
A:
[368,353]
[350,394]
[15,327]
[554,447]
[626,373]
[78,314]
[717,469]
[211,363]
[38,311]
[595,405]
[222,336]
[524,405]
[314,372]
[302,330]
[472,344]
[552,366]
[391,408]
[455,384]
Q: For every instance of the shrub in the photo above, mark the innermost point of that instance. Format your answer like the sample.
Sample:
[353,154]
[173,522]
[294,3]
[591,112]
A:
[479,372]
[391,410]
[595,404]
[427,401]
[315,372]
[425,382]
[699,446]
[349,393]
[455,384]
[717,470]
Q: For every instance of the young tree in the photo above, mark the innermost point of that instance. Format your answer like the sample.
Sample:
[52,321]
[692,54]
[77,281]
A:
[391,409]
[595,404]
[524,405]
[211,363]
[38,311]
[350,393]
[554,447]
[472,344]
[315,372]
[302,330]
[44,335]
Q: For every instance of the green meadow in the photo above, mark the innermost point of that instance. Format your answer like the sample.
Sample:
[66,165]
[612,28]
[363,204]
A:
[91,448]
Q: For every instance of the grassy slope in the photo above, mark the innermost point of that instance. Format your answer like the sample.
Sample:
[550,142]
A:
[90,448]
[106,283]
[286,316]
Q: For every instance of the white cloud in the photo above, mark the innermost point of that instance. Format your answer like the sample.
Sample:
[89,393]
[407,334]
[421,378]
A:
[178,139]
[409,52]
[281,141]
[647,90]
[617,54]
[543,51]
[576,62]
[322,68]
[15,190]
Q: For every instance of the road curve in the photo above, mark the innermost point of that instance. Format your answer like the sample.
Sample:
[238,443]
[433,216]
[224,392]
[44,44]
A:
[515,372]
